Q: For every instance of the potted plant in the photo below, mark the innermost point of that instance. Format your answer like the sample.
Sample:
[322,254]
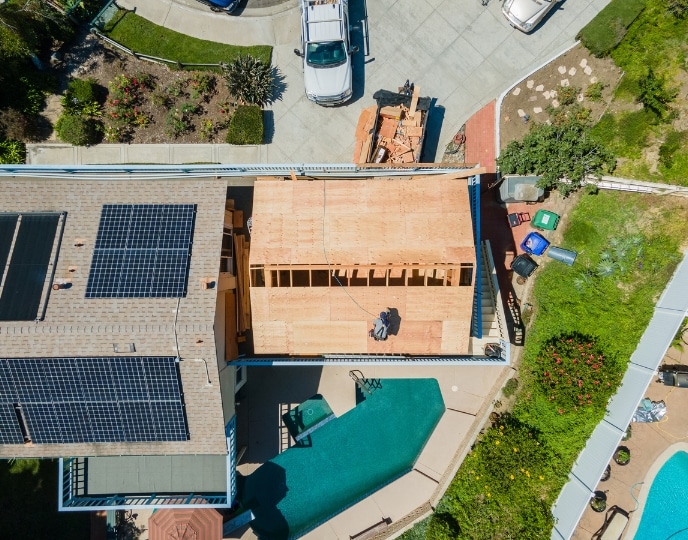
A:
[622,455]
[629,432]
[598,502]
[606,474]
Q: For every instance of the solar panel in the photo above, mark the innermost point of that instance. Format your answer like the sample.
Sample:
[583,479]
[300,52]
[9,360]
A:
[142,251]
[27,257]
[90,400]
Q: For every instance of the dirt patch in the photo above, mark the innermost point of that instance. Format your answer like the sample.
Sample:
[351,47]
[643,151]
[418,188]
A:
[170,96]
[528,101]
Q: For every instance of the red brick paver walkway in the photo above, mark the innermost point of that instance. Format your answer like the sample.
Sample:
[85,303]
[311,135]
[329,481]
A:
[480,138]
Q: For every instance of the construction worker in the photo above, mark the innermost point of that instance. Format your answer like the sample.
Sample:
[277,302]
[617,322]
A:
[380,326]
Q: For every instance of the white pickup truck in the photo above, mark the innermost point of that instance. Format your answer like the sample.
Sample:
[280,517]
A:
[326,51]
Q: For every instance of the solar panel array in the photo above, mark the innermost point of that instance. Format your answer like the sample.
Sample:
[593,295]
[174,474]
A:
[142,251]
[91,400]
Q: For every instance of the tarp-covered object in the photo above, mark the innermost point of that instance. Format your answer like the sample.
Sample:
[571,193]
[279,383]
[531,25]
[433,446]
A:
[515,188]
[649,411]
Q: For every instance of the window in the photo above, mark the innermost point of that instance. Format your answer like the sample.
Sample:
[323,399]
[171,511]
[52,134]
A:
[466,274]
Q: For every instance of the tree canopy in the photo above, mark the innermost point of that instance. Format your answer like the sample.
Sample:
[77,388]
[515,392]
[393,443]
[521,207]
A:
[563,154]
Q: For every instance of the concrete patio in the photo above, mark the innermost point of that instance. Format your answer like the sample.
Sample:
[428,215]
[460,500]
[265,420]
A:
[467,392]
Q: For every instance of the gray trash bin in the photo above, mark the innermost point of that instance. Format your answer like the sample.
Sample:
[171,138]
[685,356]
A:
[560,254]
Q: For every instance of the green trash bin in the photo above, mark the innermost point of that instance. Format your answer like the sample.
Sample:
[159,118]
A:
[545,220]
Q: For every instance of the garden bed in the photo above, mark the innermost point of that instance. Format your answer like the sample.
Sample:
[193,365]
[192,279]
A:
[173,105]
[576,68]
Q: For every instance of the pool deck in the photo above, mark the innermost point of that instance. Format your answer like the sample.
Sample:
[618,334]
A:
[467,392]
[650,445]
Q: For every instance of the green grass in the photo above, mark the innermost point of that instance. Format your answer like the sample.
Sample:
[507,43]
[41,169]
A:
[626,133]
[609,27]
[506,486]
[28,498]
[142,36]
[655,39]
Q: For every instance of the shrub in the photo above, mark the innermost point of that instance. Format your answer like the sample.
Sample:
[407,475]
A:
[567,95]
[80,93]
[594,91]
[12,152]
[607,29]
[574,373]
[510,463]
[654,94]
[201,85]
[246,126]
[77,130]
[250,80]
[510,387]
[558,151]
[678,8]
[18,126]
[672,144]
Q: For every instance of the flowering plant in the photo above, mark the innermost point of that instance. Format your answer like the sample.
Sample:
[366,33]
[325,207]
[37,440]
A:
[574,373]
[124,100]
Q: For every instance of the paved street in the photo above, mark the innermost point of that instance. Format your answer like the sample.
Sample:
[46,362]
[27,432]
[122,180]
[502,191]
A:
[459,52]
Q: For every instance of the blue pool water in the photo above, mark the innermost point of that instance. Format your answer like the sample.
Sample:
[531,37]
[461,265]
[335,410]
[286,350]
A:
[665,516]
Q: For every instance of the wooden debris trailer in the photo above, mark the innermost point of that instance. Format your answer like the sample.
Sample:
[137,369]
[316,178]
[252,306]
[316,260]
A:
[393,131]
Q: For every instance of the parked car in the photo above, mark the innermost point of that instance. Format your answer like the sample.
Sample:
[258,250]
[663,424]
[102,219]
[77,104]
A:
[226,6]
[526,14]
[326,51]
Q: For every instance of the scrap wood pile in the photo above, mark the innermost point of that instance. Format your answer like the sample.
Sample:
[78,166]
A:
[395,134]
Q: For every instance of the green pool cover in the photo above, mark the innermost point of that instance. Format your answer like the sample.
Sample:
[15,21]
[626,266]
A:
[345,460]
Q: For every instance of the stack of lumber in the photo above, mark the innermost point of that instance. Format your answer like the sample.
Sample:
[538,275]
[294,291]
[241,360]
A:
[398,130]
[241,260]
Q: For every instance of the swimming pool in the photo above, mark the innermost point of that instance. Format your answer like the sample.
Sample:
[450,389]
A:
[665,515]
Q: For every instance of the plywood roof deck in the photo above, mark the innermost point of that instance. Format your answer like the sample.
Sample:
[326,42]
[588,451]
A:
[380,221]
[392,223]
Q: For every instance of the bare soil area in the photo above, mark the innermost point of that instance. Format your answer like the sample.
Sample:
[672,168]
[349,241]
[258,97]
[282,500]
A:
[529,100]
[169,92]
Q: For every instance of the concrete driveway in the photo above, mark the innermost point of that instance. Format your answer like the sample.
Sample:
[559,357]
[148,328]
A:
[459,52]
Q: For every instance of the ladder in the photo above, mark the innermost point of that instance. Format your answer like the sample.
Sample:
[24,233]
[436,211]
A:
[368,386]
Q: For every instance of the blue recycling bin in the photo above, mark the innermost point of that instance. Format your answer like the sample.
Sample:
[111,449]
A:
[534,244]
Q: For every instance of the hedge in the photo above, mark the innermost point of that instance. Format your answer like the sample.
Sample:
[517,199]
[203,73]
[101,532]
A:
[605,32]
[246,126]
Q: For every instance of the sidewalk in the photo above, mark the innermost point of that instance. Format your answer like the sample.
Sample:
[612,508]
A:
[276,25]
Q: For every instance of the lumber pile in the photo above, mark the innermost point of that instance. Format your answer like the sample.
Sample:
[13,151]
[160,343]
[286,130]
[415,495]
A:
[395,134]
[244,300]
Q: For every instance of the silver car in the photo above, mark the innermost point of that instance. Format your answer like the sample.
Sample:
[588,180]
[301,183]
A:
[526,14]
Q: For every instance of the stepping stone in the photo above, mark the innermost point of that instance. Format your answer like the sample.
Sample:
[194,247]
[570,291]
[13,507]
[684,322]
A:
[532,98]
[521,113]
[530,83]
[553,93]
[539,87]
[572,71]
[546,95]
[565,82]
[562,69]
[580,98]
[537,110]
[593,80]
[587,70]
[584,62]
[555,103]
[516,91]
